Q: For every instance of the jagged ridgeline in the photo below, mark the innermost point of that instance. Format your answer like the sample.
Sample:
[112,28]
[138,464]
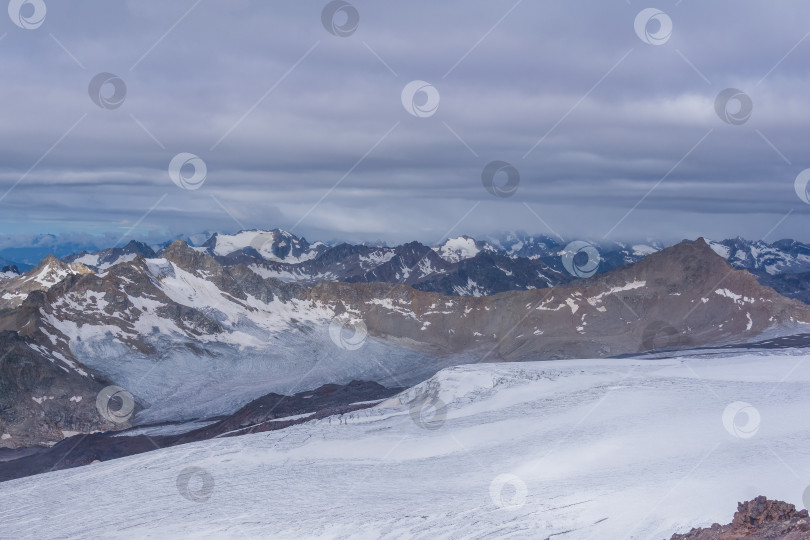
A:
[192,338]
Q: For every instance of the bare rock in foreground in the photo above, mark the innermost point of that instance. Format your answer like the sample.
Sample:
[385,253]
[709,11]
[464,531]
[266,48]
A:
[760,518]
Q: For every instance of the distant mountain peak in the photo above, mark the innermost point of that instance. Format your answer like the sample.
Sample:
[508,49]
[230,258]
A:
[51,264]
[102,260]
[42,277]
[462,247]
[462,265]
[273,245]
[190,308]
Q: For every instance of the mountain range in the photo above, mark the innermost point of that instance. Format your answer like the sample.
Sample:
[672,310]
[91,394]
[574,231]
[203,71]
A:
[461,266]
[192,334]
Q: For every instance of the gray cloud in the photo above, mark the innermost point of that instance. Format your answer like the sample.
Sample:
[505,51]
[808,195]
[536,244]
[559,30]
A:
[610,117]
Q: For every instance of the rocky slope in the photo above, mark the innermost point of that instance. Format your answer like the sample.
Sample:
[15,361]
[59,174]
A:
[46,274]
[190,338]
[462,266]
[548,250]
[45,396]
[7,263]
[472,267]
[267,413]
[414,264]
[685,294]
[757,519]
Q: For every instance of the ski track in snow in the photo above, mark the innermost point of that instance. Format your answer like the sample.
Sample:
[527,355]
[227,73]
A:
[611,448]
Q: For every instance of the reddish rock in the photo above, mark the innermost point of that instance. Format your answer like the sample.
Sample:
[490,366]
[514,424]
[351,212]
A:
[757,519]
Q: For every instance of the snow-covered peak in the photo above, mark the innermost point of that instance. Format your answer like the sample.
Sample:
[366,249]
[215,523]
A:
[457,249]
[103,260]
[275,245]
[720,249]
[642,250]
[45,275]
[783,256]
[51,271]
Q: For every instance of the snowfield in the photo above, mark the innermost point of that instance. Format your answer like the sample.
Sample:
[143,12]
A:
[634,448]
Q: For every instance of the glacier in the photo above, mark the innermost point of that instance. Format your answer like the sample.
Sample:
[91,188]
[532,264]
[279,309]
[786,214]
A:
[610,448]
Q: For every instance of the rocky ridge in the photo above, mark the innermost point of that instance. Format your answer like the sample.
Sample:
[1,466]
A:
[100,261]
[168,327]
[462,266]
[758,519]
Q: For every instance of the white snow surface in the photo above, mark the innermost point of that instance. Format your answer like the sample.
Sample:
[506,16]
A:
[50,276]
[720,249]
[457,249]
[642,250]
[263,242]
[122,259]
[377,258]
[632,448]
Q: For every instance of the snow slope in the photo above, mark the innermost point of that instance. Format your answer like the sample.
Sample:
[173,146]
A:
[264,243]
[595,448]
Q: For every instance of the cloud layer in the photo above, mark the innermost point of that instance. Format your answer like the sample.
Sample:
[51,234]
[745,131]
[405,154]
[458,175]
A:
[306,130]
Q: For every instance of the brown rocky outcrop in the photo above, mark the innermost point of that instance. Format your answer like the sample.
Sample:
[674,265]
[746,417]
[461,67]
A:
[155,310]
[758,519]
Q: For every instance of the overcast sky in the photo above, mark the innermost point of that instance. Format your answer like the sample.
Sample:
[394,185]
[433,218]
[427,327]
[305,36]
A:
[611,124]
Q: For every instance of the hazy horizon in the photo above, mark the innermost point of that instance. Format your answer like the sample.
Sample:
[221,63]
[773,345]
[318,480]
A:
[312,117]
[36,247]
